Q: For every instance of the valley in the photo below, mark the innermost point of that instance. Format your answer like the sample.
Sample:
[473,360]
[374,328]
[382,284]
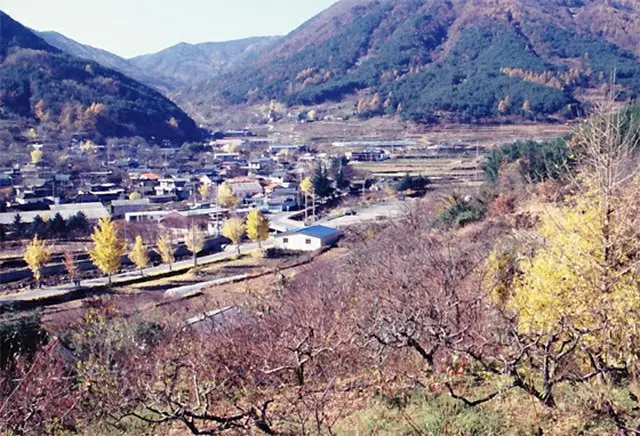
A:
[399,217]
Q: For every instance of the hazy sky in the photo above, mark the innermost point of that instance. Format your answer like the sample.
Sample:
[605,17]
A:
[132,27]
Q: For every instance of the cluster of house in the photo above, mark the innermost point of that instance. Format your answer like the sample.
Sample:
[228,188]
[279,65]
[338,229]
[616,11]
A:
[170,195]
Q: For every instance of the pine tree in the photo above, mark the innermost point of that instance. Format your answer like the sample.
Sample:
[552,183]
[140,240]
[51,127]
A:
[38,227]
[57,226]
[36,255]
[18,226]
[234,229]
[139,254]
[257,227]
[321,182]
[78,223]
[164,247]
[194,240]
[108,247]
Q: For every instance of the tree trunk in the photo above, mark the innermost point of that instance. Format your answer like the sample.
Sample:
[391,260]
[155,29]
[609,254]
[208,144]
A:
[195,259]
[238,248]
[314,206]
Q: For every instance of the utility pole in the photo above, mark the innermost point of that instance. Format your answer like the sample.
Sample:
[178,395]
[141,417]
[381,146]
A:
[314,205]
[217,212]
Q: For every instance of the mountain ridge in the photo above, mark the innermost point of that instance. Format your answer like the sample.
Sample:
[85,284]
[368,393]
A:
[466,60]
[41,83]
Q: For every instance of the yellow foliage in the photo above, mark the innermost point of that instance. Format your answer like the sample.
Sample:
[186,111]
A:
[36,156]
[307,186]
[311,115]
[234,229]
[135,196]
[203,190]
[173,122]
[40,111]
[505,105]
[226,197]
[257,226]
[36,255]
[563,282]
[164,246]
[194,240]
[88,146]
[108,248]
[232,147]
[138,254]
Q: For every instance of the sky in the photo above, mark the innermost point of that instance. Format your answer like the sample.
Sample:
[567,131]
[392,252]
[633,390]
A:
[133,27]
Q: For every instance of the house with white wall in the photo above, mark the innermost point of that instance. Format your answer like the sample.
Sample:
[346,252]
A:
[308,238]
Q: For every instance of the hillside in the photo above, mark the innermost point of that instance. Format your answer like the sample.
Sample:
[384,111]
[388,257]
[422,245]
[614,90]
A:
[465,60]
[102,57]
[186,64]
[40,83]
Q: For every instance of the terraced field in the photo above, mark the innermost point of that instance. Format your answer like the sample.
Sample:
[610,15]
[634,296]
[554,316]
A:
[442,170]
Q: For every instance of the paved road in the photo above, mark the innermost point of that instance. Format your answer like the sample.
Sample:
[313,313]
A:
[390,209]
[36,294]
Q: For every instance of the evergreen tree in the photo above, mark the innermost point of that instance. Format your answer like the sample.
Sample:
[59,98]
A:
[57,226]
[321,182]
[78,223]
[38,227]
[18,226]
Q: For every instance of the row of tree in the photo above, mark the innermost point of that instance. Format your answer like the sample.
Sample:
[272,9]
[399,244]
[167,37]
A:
[45,227]
[109,247]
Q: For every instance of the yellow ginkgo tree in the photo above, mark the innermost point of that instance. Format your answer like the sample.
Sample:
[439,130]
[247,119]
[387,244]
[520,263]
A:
[257,227]
[139,254]
[36,255]
[108,247]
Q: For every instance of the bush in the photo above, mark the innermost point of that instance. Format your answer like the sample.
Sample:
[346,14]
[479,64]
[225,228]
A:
[459,212]
[20,335]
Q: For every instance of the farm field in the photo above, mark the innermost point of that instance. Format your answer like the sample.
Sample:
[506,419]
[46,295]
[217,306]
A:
[444,170]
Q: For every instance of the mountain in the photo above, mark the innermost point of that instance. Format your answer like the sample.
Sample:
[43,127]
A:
[67,94]
[465,60]
[186,64]
[102,57]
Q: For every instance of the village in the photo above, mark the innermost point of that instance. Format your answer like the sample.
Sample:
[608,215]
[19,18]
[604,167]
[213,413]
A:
[59,193]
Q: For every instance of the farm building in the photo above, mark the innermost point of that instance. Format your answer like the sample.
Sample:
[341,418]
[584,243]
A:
[308,238]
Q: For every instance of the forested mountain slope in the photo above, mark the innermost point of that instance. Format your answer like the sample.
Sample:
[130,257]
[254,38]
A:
[40,83]
[461,59]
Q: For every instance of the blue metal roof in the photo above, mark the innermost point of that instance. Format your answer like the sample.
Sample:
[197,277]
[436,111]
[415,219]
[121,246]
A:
[315,231]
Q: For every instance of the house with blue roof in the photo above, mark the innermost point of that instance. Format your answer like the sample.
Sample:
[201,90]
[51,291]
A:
[308,238]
